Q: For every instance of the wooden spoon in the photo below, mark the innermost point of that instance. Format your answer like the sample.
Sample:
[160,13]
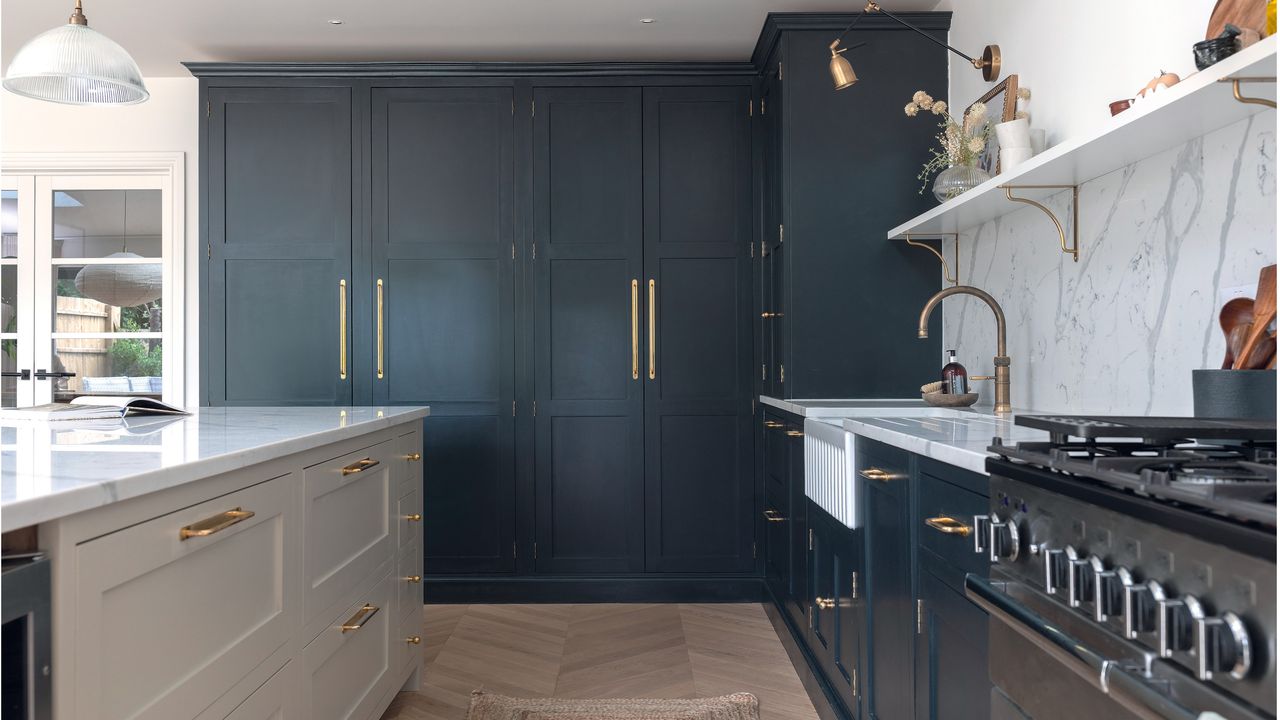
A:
[1234,319]
[1262,353]
[1264,312]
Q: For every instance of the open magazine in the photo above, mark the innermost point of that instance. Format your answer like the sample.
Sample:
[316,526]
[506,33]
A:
[92,407]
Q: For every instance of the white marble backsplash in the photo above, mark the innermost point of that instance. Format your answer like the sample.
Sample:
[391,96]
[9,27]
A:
[1120,331]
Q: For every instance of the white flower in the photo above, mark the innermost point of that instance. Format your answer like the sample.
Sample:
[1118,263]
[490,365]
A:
[1020,115]
[939,107]
[976,109]
[1024,93]
[977,144]
[921,98]
[911,109]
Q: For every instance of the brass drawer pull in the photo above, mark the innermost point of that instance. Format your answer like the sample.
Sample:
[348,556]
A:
[416,517]
[359,466]
[773,516]
[948,525]
[361,617]
[217,523]
[414,639]
[795,433]
[413,457]
[824,603]
[635,329]
[653,313]
[878,474]
[381,339]
[342,329]
[413,579]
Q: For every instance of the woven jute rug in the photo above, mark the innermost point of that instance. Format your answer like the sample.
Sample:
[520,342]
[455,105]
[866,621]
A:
[488,706]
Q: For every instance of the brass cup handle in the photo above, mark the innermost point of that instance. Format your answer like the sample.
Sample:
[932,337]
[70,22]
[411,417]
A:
[361,617]
[949,526]
[772,424]
[878,474]
[414,639]
[359,466]
[413,457]
[824,603]
[416,517]
[773,516]
[413,579]
[217,523]
[795,433]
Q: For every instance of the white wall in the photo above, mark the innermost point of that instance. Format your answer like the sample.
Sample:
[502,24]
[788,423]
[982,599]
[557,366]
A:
[1077,57]
[169,122]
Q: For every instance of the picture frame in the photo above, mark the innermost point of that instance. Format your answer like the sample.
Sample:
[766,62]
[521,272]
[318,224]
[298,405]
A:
[1002,106]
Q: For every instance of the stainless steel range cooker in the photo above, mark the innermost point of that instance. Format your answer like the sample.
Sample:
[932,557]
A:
[1133,569]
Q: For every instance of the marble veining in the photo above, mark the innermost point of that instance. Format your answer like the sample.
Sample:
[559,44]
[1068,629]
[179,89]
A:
[50,470]
[1120,331]
[960,438]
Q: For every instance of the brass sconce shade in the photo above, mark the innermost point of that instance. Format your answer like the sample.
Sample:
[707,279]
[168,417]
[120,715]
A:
[842,73]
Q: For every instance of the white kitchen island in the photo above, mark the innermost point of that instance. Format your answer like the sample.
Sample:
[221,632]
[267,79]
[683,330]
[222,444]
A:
[238,563]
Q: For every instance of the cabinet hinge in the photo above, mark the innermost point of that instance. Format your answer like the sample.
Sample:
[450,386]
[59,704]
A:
[208,108]
[853,585]
[533,108]
[782,373]
[779,232]
[763,109]
[535,551]
[811,538]
[763,373]
[779,69]
[751,104]
[513,408]
[513,251]
[209,251]
[920,616]
[513,542]
[753,551]
[762,247]
[513,106]
[751,249]
[535,251]
[535,408]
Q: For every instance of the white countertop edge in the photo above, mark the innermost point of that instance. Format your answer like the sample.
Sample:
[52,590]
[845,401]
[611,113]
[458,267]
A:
[942,452]
[836,408]
[20,513]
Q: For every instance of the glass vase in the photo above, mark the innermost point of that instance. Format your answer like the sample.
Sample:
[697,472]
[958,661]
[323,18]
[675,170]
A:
[958,179]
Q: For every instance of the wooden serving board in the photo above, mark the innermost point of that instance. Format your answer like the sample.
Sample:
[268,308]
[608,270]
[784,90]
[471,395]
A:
[1244,14]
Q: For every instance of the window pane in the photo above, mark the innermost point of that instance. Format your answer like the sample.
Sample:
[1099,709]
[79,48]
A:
[102,223]
[107,298]
[107,366]
[9,223]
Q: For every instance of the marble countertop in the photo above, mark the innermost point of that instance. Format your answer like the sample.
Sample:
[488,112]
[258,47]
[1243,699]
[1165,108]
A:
[955,437]
[50,470]
[841,408]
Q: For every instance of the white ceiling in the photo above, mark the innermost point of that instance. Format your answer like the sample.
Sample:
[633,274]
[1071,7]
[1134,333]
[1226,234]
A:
[161,33]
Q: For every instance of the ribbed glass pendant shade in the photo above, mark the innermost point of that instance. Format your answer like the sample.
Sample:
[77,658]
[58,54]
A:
[76,65]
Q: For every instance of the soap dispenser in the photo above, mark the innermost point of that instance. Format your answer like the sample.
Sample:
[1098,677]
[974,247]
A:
[955,379]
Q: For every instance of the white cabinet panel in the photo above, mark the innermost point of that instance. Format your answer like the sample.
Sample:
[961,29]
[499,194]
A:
[277,699]
[409,518]
[348,666]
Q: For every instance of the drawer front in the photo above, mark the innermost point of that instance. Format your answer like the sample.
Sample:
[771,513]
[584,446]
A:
[165,625]
[277,699]
[346,672]
[944,526]
[409,518]
[408,581]
[877,461]
[349,532]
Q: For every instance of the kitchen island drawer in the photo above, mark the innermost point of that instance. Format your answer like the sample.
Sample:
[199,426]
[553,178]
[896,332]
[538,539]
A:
[347,668]
[348,530]
[945,523]
[174,611]
[277,699]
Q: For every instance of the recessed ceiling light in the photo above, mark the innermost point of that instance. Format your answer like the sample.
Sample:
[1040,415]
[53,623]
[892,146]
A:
[335,21]
[647,21]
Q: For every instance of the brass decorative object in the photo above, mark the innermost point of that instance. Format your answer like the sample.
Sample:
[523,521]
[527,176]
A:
[1074,249]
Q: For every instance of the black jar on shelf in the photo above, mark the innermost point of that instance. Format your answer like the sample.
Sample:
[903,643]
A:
[1208,52]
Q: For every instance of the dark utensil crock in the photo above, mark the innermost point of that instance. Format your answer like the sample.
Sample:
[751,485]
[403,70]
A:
[1234,394]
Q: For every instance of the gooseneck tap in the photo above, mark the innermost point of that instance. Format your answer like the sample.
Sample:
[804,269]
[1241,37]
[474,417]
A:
[1003,405]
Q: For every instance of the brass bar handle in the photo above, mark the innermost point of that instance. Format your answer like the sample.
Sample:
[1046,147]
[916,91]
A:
[653,361]
[949,526]
[342,329]
[824,603]
[361,617]
[217,523]
[414,640]
[635,329]
[413,579]
[772,424]
[415,517]
[773,516]
[359,466]
[878,474]
[795,433]
[381,339]
[413,457]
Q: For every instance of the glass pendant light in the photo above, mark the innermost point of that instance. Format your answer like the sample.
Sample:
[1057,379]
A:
[75,65]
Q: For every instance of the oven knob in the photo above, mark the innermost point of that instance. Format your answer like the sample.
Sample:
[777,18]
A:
[1079,579]
[1140,608]
[1002,539]
[1175,619]
[981,530]
[1222,646]
[1055,570]
[1108,591]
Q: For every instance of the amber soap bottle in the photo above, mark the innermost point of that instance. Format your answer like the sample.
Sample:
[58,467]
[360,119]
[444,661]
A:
[955,379]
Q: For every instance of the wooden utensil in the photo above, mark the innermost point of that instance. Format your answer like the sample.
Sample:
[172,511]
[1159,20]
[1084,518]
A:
[1244,14]
[1235,318]
[1264,312]
[1261,354]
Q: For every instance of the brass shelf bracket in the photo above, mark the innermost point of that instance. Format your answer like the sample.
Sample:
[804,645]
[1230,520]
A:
[1240,97]
[1074,249]
[946,267]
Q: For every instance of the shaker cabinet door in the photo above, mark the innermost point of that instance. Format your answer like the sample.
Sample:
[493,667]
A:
[442,298]
[279,227]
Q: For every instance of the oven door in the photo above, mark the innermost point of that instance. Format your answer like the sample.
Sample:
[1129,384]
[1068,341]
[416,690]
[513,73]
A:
[1051,672]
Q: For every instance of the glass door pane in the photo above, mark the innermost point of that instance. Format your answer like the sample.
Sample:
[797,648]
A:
[16,239]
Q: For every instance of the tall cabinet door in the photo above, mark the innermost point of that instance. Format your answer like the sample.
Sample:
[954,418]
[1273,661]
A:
[279,227]
[442,293]
[699,507]
[588,313]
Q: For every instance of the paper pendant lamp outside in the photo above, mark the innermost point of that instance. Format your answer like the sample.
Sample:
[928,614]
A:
[121,285]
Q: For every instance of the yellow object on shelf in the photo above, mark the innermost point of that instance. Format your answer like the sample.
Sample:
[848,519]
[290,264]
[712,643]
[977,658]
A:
[1271,17]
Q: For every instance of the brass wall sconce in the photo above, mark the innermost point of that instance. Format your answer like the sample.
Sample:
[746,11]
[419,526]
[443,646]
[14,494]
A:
[842,73]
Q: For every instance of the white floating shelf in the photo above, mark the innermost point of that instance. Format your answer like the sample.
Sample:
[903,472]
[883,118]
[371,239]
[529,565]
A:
[1198,105]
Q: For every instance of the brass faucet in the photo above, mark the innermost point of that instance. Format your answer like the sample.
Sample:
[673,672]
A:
[1003,406]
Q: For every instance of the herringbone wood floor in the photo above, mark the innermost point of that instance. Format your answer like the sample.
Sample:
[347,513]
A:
[595,651]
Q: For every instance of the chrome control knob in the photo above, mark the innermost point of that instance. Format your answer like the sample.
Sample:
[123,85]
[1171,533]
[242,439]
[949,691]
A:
[1002,539]
[1175,619]
[1108,591]
[1079,579]
[1055,570]
[1222,646]
[1140,608]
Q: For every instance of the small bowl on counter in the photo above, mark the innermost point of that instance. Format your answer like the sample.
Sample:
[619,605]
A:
[933,395]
